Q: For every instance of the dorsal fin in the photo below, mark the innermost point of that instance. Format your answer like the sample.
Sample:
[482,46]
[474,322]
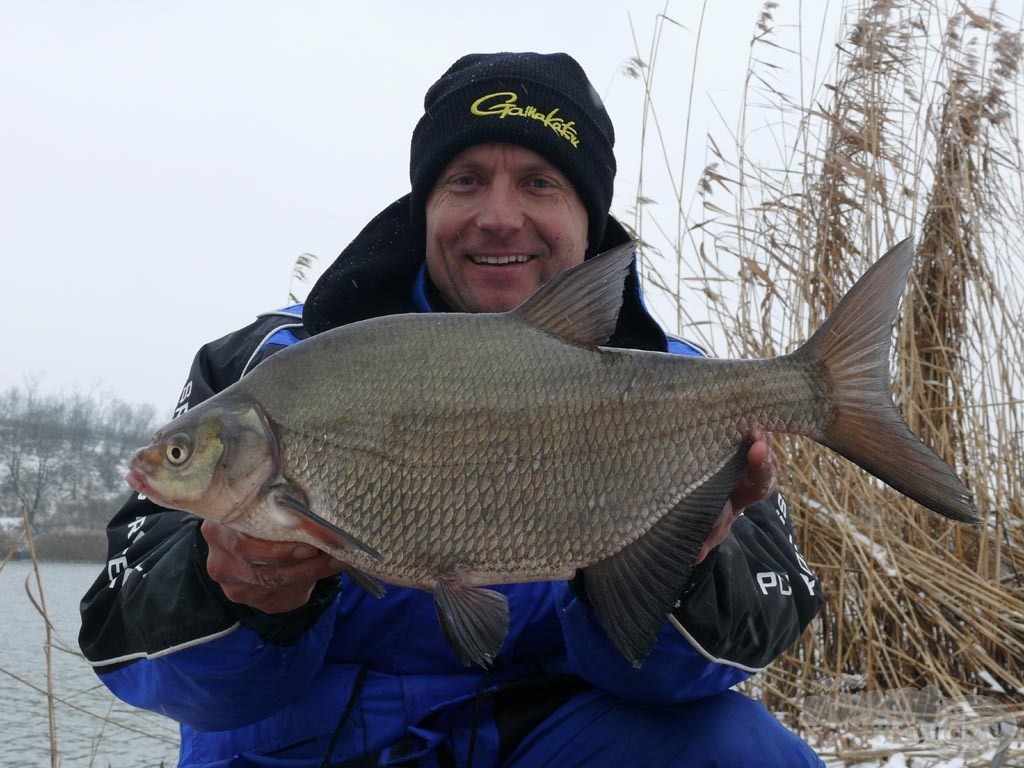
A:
[582,303]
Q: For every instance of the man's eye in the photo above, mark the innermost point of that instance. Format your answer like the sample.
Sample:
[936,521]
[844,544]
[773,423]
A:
[463,181]
[542,183]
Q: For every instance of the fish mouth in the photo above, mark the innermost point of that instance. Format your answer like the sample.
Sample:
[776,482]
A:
[489,260]
[137,481]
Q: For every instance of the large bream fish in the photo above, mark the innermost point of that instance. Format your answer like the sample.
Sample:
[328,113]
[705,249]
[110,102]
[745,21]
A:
[448,452]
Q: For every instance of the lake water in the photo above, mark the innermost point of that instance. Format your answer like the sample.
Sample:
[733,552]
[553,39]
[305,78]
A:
[93,729]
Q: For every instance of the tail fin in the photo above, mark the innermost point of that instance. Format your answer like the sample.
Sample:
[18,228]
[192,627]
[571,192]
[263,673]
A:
[853,346]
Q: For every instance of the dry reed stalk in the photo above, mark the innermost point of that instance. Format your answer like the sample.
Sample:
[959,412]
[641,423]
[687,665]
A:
[918,130]
[11,550]
[148,733]
[40,606]
[53,642]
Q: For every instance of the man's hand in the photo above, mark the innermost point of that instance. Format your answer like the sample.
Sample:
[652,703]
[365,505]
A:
[757,484]
[271,576]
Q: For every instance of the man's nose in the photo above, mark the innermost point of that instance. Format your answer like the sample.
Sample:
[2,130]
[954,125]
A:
[500,210]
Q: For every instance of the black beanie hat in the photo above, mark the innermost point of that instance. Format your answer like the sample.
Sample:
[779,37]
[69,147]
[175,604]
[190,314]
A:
[543,102]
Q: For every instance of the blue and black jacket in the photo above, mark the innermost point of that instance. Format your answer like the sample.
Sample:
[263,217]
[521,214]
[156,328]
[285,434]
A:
[373,679]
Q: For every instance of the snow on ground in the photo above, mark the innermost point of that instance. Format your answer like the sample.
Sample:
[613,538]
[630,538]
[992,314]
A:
[881,752]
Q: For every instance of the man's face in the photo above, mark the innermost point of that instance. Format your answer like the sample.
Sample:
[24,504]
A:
[501,222]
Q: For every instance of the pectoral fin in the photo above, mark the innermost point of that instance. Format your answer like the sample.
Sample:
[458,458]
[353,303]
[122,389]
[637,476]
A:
[366,581]
[635,590]
[319,528]
[474,621]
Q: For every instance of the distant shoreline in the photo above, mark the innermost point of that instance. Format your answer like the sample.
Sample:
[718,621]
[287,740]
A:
[59,546]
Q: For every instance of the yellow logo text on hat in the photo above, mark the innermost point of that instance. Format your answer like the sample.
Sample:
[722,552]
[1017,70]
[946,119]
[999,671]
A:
[503,104]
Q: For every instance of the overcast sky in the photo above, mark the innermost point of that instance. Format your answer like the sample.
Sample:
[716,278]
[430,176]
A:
[163,164]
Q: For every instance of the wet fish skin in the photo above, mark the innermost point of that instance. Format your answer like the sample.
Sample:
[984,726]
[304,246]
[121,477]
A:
[450,452]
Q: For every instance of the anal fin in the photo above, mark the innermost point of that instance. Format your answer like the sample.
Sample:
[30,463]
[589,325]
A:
[634,591]
[474,620]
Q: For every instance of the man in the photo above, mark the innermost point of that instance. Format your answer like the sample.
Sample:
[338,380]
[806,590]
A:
[267,658]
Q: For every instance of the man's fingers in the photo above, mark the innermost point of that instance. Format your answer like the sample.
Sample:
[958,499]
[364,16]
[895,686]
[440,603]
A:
[760,451]
[758,483]
[272,576]
[310,570]
[719,530]
[253,550]
[225,568]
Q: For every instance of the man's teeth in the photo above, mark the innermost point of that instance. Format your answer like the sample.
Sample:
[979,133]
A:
[517,258]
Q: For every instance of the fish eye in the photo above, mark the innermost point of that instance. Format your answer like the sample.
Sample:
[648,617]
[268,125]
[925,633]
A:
[179,449]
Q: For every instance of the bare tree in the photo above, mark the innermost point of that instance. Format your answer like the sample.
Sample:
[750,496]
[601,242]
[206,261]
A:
[62,457]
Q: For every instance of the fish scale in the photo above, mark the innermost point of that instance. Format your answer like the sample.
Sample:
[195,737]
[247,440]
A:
[449,452]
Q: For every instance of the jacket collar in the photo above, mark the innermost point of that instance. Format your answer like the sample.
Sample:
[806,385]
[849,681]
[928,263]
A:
[378,271]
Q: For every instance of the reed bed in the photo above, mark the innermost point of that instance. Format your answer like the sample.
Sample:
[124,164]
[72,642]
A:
[912,129]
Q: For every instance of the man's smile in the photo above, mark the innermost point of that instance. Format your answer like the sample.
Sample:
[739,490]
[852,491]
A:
[510,258]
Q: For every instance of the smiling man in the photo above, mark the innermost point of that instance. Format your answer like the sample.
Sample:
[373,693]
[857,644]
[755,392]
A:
[268,655]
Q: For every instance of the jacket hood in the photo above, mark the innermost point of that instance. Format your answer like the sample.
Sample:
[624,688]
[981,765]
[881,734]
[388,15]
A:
[375,273]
